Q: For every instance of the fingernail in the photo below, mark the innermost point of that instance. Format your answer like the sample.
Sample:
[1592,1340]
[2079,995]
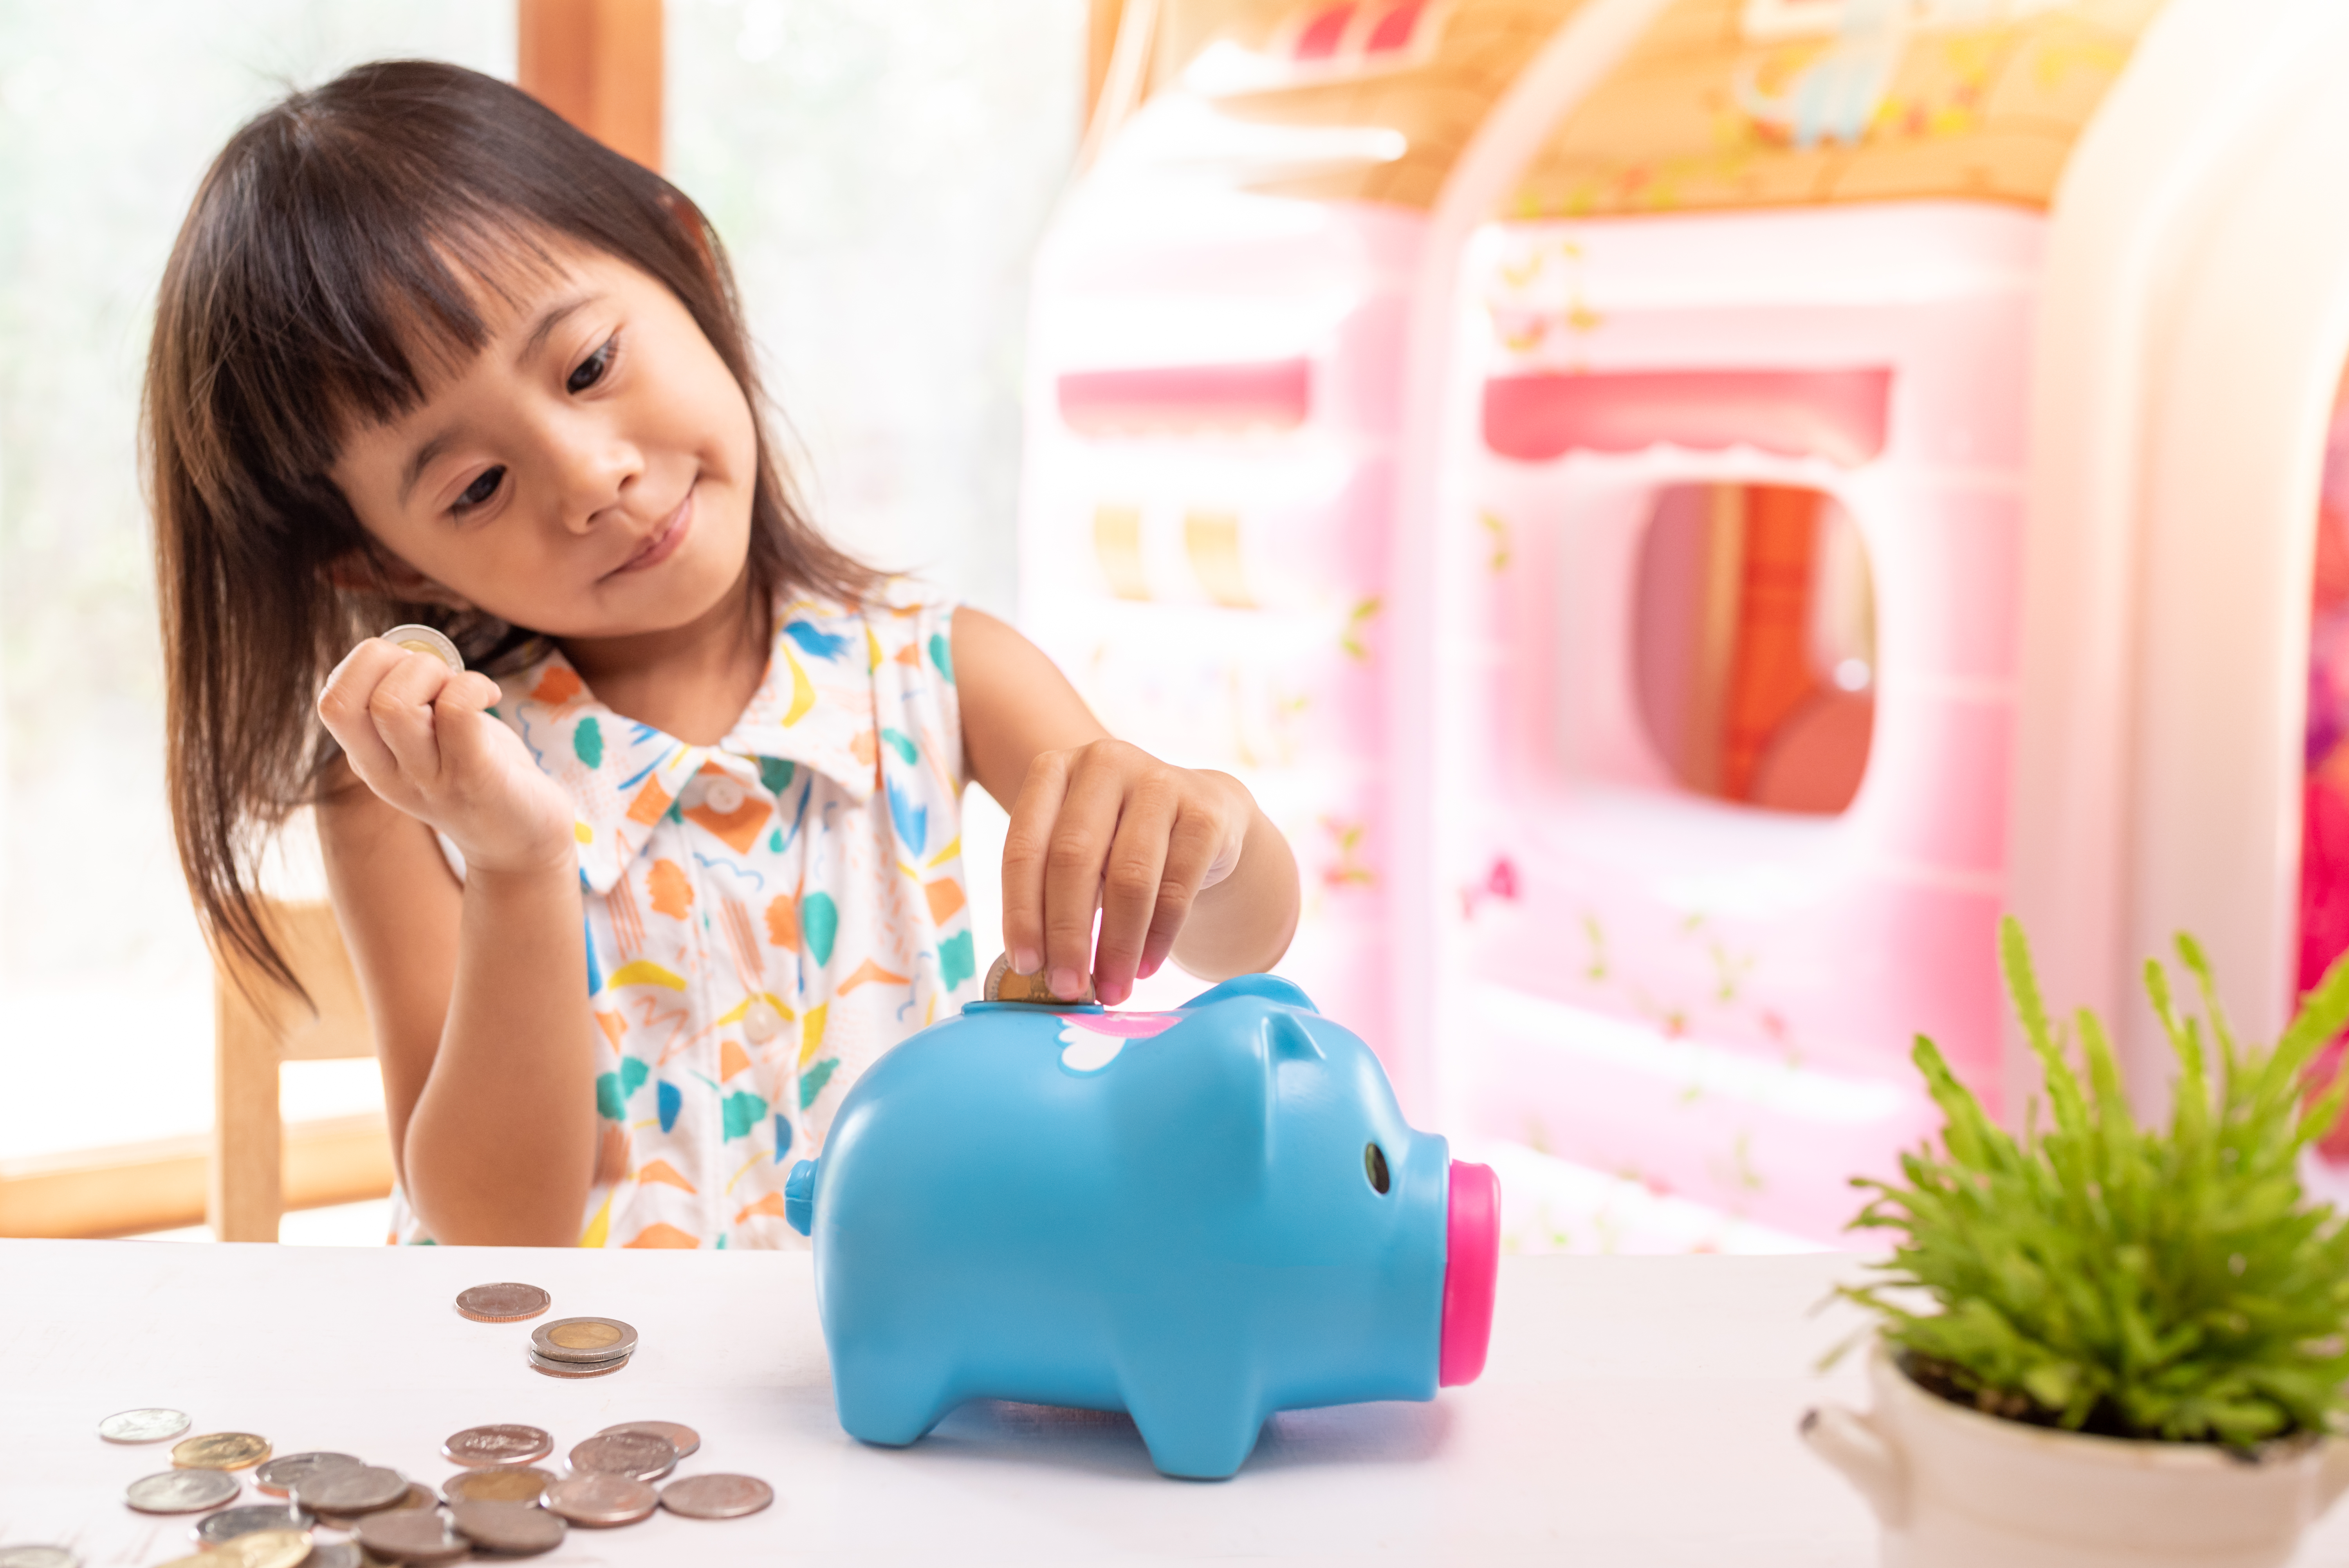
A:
[1150,966]
[1024,961]
[1113,994]
[1067,982]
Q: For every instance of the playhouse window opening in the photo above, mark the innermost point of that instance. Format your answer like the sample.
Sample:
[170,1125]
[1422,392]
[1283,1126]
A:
[1753,645]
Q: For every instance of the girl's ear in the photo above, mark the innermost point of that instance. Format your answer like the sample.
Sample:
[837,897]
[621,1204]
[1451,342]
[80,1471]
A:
[376,572]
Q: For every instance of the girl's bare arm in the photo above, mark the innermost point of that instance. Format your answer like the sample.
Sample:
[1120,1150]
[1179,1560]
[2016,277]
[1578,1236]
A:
[478,992]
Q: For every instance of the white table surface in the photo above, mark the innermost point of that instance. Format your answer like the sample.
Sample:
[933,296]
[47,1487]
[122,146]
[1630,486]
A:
[1635,1411]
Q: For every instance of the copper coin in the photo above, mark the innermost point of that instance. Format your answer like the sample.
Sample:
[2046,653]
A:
[416,1497]
[498,1446]
[516,1529]
[412,1536]
[573,1368]
[590,1339]
[219,1451]
[355,1488]
[181,1491]
[639,1454]
[502,1302]
[599,1501]
[147,1426]
[498,1483]
[717,1497]
[277,1477]
[231,1522]
[334,1554]
[683,1438]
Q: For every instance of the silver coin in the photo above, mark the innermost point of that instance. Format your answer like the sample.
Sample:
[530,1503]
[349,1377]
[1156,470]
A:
[147,1426]
[277,1477]
[513,1529]
[717,1497]
[508,1445]
[412,1536]
[424,640]
[573,1368]
[682,1438]
[602,1501]
[38,1557]
[359,1489]
[231,1522]
[644,1455]
[585,1339]
[181,1491]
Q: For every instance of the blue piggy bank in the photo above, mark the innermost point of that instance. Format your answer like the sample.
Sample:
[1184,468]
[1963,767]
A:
[1199,1217]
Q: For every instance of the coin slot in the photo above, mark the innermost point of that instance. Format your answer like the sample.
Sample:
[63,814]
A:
[1374,1166]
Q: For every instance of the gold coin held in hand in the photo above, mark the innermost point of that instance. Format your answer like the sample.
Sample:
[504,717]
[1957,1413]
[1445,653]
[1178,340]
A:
[219,1451]
[424,640]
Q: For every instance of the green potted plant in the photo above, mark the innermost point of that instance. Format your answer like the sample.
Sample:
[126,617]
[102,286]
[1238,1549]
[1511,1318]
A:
[2104,1341]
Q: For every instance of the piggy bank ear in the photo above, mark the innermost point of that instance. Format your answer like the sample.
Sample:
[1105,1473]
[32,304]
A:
[1270,987]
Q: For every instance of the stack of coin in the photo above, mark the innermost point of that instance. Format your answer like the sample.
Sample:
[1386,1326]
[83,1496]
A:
[647,1456]
[580,1347]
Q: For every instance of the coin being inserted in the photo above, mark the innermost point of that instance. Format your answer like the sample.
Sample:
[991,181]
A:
[502,1302]
[1005,983]
[424,640]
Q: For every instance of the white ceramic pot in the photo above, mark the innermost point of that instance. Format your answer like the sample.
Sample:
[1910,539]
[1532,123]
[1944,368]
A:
[1957,1488]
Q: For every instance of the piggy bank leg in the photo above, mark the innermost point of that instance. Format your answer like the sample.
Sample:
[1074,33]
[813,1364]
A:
[1198,1422]
[889,1400]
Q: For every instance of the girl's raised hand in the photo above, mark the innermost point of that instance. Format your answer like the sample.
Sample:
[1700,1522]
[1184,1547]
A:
[414,731]
[1108,826]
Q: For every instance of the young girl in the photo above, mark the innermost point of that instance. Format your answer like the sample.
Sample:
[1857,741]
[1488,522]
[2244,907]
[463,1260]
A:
[424,353]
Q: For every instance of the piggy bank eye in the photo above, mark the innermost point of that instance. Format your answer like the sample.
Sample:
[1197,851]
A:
[1374,1166]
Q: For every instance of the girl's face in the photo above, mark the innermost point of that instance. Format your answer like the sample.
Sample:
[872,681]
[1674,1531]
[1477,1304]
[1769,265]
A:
[587,476]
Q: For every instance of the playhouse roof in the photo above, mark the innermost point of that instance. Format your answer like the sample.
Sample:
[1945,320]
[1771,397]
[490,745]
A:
[1764,103]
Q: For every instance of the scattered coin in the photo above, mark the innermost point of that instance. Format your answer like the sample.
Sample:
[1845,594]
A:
[600,1501]
[181,1491]
[358,1488]
[683,1438]
[336,1555]
[573,1368]
[262,1549]
[38,1557]
[639,1454]
[498,1483]
[503,1302]
[277,1477]
[497,1446]
[1005,984]
[516,1529]
[219,1451]
[405,1536]
[717,1497]
[424,640]
[587,1339]
[231,1522]
[147,1426]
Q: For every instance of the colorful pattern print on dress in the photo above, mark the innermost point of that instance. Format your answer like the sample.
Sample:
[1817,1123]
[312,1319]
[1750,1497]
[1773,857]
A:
[765,917]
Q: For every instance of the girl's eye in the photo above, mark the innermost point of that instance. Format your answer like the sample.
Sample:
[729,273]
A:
[479,492]
[592,368]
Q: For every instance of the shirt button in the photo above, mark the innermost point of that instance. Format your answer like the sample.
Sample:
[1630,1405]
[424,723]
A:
[761,1022]
[721,795]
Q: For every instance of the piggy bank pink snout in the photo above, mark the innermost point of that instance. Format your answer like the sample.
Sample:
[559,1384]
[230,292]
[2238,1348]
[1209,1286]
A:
[1472,1261]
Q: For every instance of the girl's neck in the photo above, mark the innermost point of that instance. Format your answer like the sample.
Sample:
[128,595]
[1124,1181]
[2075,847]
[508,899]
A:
[691,681]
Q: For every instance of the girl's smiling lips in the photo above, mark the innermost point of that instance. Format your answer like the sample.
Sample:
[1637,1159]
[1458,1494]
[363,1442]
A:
[663,544]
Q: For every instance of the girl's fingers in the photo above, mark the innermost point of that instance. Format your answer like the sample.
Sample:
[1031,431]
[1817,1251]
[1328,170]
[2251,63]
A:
[461,735]
[343,709]
[1190,849]
[400,708]
[1025,845]
[1073,864]
[1130,887]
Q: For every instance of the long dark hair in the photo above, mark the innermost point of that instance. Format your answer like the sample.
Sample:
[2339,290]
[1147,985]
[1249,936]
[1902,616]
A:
[332,261]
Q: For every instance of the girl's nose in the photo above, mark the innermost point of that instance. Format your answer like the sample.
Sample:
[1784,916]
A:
[599,472]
